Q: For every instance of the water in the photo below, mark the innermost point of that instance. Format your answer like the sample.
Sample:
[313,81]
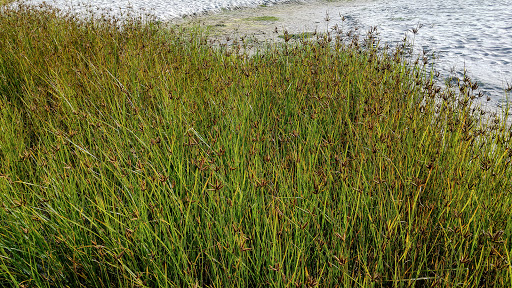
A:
[474,35]
[162,9]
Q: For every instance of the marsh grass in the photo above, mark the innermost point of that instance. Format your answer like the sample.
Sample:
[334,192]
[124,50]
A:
[297,36]
[263,18]
[142,156]
[4,2]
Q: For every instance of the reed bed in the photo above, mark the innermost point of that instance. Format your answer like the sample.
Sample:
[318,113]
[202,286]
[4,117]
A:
[144,155]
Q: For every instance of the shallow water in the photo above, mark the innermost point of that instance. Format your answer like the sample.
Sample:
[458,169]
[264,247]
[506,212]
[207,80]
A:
[162,9]
[472,34]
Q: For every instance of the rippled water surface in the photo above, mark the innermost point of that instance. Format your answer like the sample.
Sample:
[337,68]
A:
[163,9]
[473,34]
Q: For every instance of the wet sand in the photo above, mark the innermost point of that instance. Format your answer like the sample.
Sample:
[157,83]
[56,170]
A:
[267,23]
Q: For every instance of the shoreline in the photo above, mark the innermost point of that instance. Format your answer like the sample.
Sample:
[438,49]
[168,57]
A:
[263,25]
[267,23]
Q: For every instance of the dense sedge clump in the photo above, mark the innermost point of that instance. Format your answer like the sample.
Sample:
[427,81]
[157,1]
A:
[146,156]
